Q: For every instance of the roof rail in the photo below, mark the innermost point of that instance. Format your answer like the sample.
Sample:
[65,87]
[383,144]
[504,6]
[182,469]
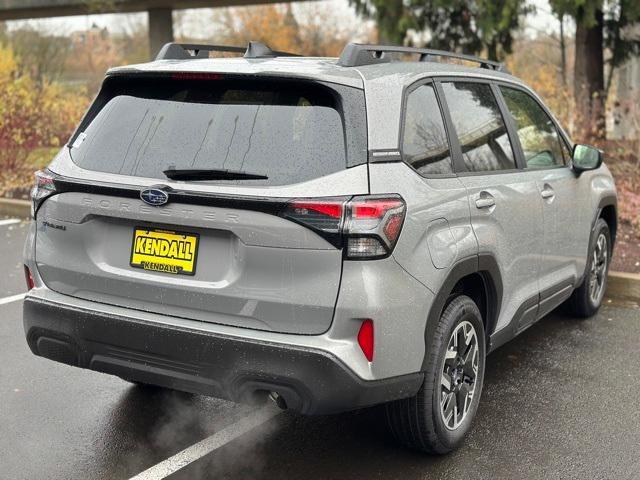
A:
[182,51]
[356,54]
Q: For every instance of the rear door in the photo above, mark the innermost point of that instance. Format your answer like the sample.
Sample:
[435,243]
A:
[566,227]
[505,206]
[233,252]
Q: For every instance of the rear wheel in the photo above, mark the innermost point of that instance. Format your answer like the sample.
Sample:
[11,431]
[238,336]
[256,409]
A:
[439,416]
[587,298]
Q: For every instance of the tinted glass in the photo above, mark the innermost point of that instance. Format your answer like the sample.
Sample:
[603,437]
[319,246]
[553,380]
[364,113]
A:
[537,133]
[566,152]
[480,127]
[289,132]
[424,145]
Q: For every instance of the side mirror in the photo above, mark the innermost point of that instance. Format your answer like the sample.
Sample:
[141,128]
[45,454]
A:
[586,158]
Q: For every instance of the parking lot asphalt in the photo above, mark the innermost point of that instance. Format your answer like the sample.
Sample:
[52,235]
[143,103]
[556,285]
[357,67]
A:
[560,401]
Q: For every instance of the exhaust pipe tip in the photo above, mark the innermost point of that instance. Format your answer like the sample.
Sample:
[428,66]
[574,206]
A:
[278,400]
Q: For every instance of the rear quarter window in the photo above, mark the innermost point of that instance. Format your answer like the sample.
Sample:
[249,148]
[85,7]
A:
[424,144]
[290,131]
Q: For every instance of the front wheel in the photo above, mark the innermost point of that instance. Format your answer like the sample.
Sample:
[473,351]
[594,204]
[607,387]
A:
[587,298]
[439,416]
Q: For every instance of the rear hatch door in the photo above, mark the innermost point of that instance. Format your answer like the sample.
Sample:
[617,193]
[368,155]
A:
[219,250]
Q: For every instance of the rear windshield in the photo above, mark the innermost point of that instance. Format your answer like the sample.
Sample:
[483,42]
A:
[289,131]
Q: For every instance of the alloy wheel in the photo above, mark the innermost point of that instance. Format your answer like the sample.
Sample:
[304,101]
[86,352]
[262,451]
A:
[598,269]
[459,373]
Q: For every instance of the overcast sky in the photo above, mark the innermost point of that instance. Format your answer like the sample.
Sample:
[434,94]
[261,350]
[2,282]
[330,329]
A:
[542,20]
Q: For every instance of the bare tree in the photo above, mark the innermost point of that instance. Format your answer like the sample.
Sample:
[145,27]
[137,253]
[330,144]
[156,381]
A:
[41,56]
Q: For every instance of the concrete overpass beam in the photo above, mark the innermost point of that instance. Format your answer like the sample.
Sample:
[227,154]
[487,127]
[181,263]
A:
[160,29]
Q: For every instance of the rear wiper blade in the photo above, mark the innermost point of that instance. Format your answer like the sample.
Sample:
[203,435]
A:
[211,174]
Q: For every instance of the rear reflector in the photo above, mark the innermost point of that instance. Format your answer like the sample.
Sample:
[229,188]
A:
[29,278]
[365,339]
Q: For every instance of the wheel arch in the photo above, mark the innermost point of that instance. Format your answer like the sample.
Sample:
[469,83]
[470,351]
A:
[608,211]
[479,278]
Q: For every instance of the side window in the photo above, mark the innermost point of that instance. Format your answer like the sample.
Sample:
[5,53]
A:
[538,135]
[424,143]
[566,152]
[480,127]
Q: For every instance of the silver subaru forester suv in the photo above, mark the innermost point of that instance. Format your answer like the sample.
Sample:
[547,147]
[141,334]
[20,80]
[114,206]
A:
[332,233]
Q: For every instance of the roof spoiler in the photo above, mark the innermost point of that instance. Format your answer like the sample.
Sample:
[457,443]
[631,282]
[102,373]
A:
[355,55]
[186,51]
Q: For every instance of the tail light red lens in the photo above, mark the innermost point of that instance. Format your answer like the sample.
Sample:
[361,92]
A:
[329,209]
[29,278]
[325,215]
[367,225]
[373,208]
[366,339]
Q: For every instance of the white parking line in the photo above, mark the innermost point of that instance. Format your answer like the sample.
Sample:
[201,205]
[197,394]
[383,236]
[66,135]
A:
[9,221]
[208,445]
[13,298]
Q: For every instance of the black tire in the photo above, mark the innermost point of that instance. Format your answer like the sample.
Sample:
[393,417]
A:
[581,304]
[417,422]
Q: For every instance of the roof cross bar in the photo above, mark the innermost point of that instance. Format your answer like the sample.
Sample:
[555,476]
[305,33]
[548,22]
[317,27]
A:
[182,51]
[355,55]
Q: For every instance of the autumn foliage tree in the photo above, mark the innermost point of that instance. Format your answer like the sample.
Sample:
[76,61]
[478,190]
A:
[309,32]
[33,115]
[42,55]
[538,62]
[94,52]
[469,26]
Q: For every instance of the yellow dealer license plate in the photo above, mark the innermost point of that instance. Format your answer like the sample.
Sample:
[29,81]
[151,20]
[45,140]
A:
[164,251]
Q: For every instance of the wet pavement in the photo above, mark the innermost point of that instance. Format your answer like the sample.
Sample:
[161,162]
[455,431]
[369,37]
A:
[560,401]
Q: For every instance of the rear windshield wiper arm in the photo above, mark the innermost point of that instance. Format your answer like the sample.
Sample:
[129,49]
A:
[211,174]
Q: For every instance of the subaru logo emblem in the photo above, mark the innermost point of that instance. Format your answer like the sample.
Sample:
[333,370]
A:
[154,196]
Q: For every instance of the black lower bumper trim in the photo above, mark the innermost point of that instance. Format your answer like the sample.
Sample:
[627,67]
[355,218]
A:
[310,381]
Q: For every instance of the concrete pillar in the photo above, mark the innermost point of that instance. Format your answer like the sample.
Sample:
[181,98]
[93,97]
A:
[160,29]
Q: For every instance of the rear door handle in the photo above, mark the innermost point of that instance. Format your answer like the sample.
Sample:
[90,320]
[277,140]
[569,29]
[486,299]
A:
[486,200]
[547,192]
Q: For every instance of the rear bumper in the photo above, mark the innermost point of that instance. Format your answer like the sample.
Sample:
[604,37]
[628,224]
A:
[311,381]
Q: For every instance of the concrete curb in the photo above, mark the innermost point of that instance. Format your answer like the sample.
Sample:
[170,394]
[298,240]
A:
[625,286]
[10,207]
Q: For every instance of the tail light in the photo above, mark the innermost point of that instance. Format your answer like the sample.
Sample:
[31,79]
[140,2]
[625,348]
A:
[44,187]
[29,278]
[373,226]
[324,215]
[367,226]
